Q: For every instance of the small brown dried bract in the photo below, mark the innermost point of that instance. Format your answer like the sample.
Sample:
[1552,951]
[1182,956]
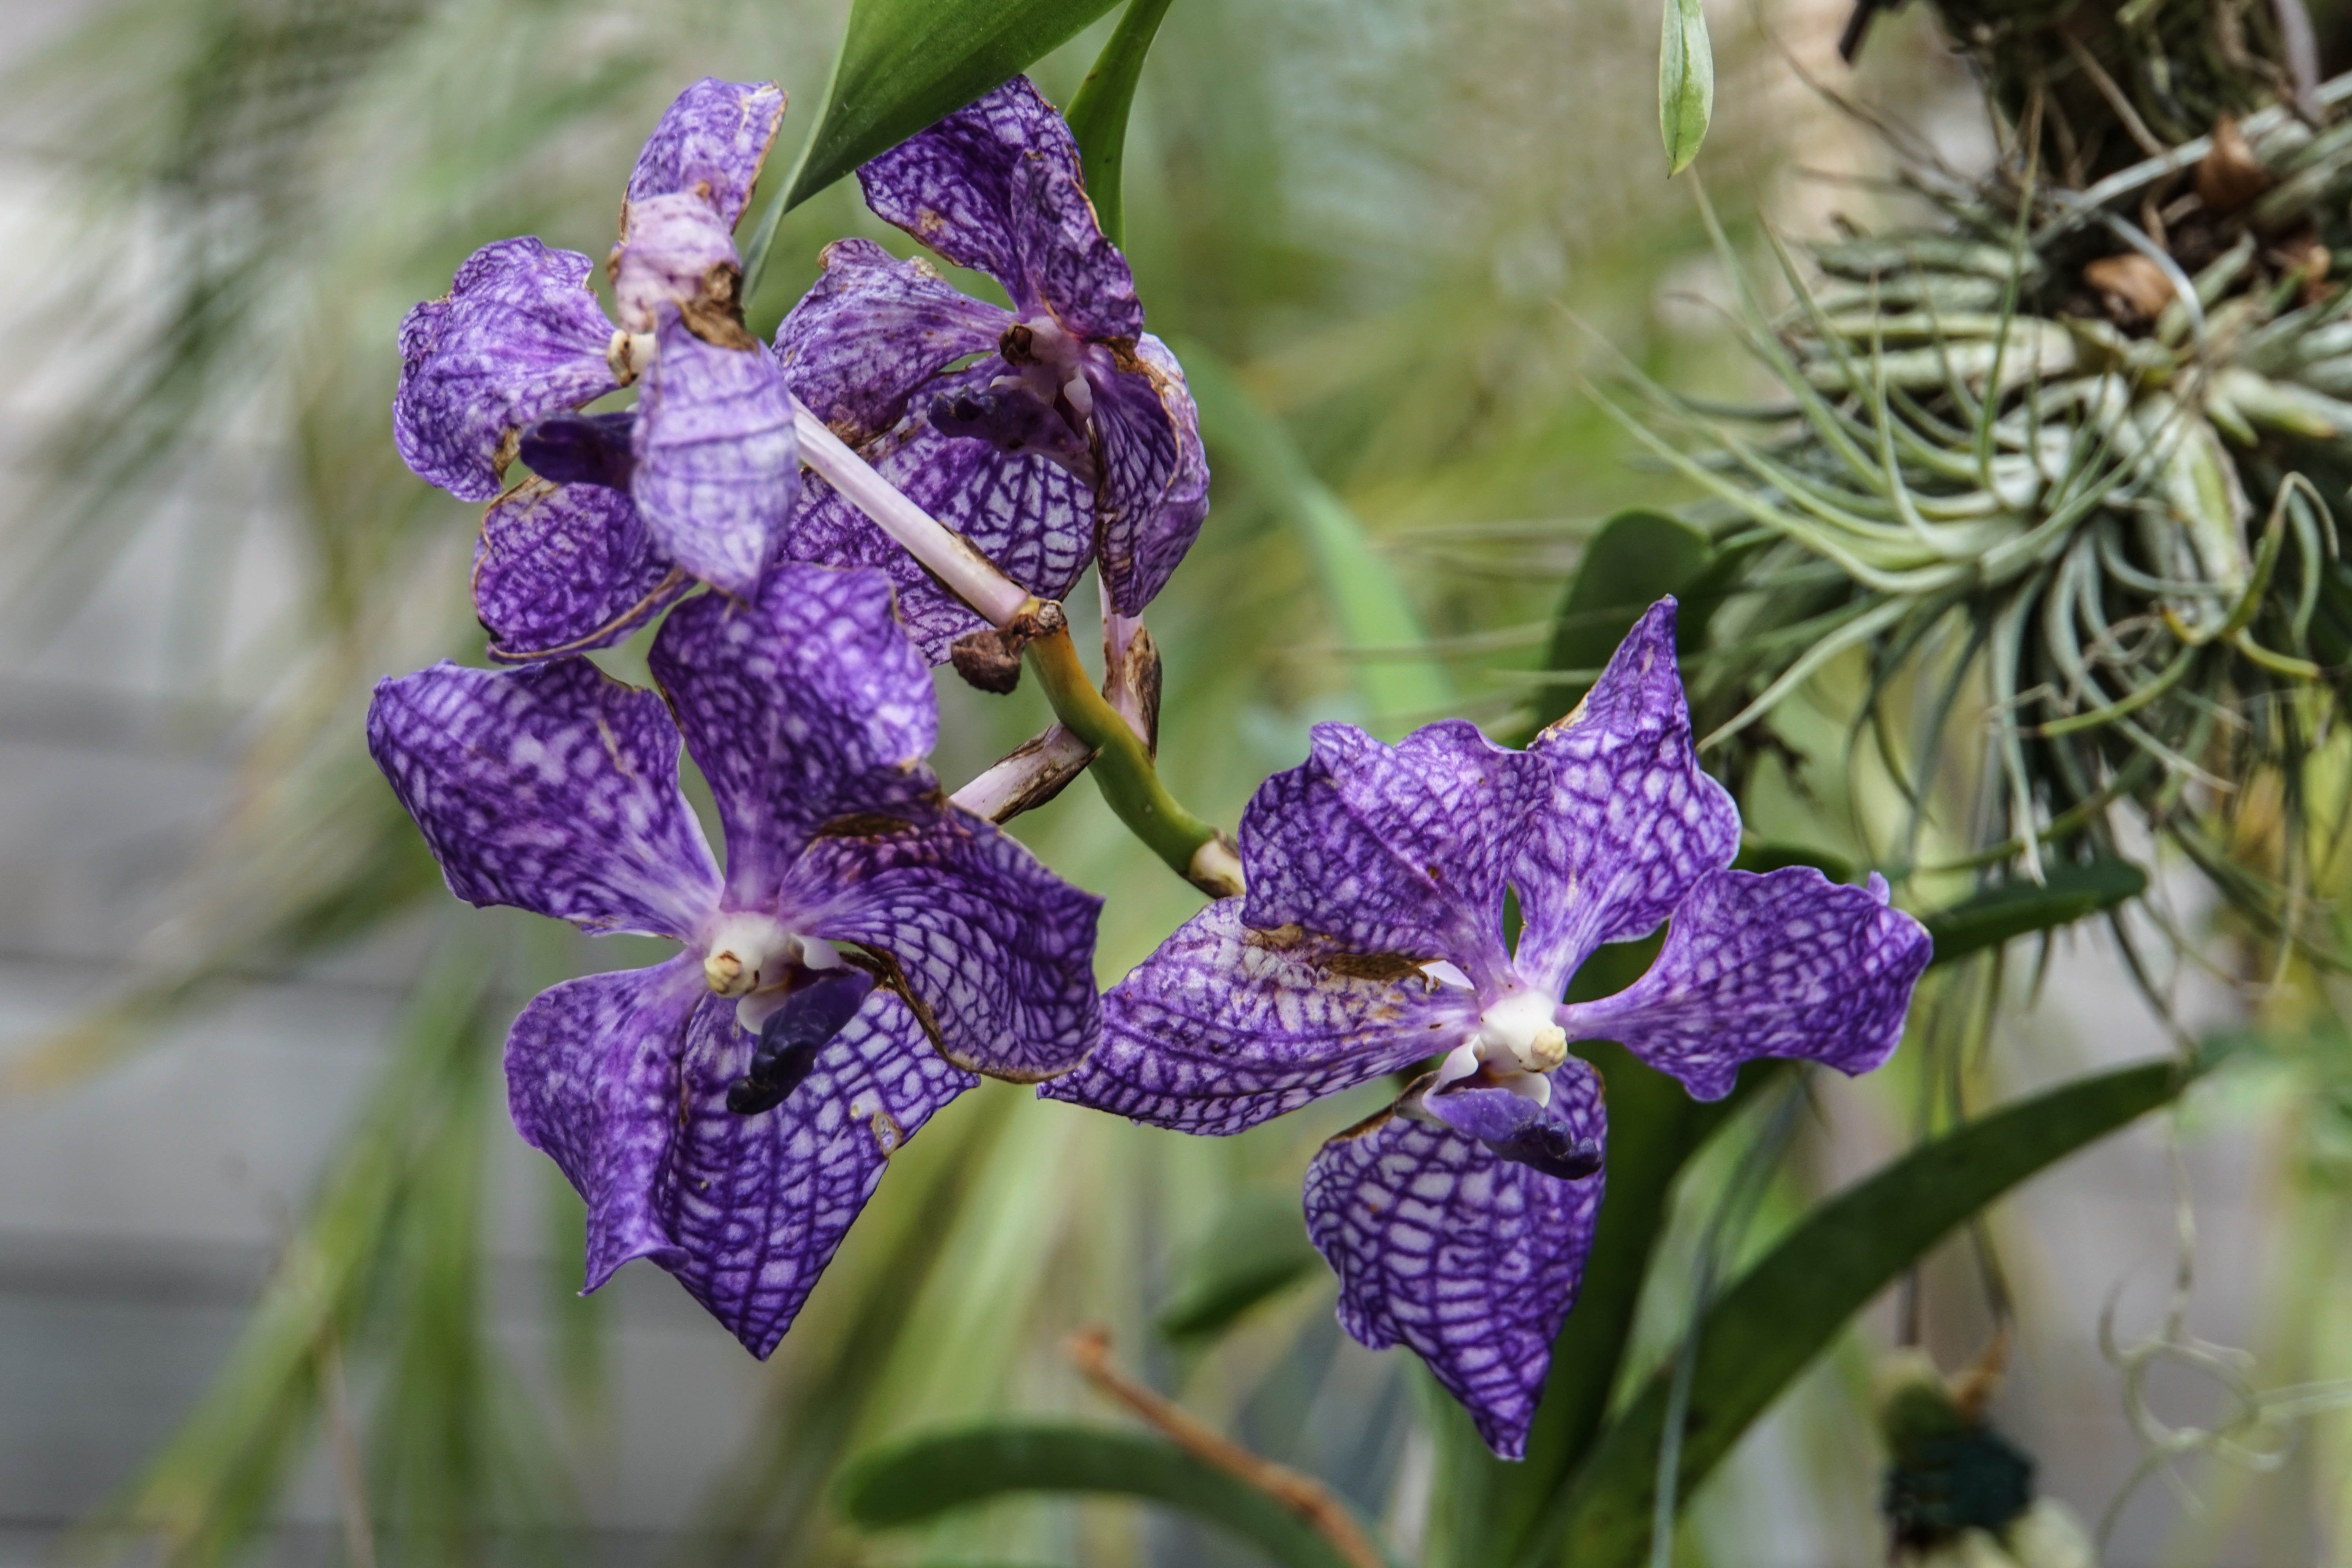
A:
[2230,175]
[987,660]
[2135,288]
[2305,257]
[716,314]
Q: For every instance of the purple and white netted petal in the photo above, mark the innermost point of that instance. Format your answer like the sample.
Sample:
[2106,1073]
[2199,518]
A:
[711,143]
[623,1080]
[562,569]
[552,788]
[803,708]
[874,331]
[1155,472]
[995,952]
[1632,822]
[716,457]
[1470,1260]
[518,336]
[1788,964]
[1029,516]
[1227,1025]
[1401,849]
[996,187]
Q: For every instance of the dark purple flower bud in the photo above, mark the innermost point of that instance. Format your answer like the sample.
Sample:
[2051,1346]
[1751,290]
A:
[811,1014]
[583,449]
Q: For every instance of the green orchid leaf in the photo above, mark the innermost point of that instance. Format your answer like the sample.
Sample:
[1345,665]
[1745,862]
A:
[1767,1327]
[1098,114]
[1761,858]
[904,64]
[915,1477]
[1634,559]
[1253,1251]
[2070,892]
[1685,82]
[1366,598]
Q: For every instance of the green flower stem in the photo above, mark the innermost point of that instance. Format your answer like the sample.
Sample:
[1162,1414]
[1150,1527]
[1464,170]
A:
[1124,772]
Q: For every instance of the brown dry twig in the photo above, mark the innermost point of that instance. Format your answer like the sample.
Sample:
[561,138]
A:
[1089,1350]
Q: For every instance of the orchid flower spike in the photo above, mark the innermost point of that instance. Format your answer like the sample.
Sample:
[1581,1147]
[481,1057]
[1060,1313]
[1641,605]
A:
[1373,937]
[1072,437]
[869,948]
[628,510]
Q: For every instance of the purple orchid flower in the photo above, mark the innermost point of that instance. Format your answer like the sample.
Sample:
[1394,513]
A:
[629,508]
[1072,437]
[1373,937]
[868,949]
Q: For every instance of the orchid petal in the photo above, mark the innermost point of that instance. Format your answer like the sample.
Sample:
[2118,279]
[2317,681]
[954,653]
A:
[1469,1260]
[873,331]
[718,460]
[623,1079]
[712,141]
[1632,822]
[552,788]
[564,568]
[805,706]
[1398,850]
[994,951]
[1226,1026]
[996,185]
[518,336]
[1789,964]
[1155,483]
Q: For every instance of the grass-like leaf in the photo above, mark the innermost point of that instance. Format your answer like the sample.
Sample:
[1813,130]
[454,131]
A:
[920,1476]
[905,63]
[1098,113]
[2069,891]
[1685,82]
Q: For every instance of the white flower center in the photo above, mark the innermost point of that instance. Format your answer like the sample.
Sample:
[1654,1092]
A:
[1520,1030]
[747,950]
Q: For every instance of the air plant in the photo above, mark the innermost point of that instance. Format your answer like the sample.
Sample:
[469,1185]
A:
[2077,459]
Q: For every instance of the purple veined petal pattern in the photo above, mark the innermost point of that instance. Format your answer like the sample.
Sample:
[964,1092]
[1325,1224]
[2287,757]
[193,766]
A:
[622,1079]
[1396,849]
[873,331]
[996,187]
[759,1204]
[1226,1026]
[1468,1260]
[806,706]
[1632,823]
[1788,964]
[1155,490]
[995,950]
[552,788]
[518,336]
[564,568]
[718,460]
[712,141]
[593,1082]
[828,530]
[1032,518]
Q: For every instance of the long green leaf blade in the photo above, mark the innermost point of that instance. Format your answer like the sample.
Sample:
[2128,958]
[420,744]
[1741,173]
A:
[2068,892]
[1098,114]
[1366,598]
[917,1477]
[1685,82]
[905,63]
[1769,1327]
[1634,559]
